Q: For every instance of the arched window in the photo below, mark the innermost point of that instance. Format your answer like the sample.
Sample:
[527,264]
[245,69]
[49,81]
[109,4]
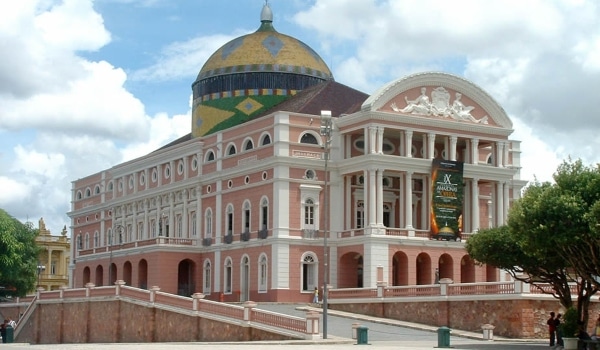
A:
[264,214]
[138,231]
[79,195]
[309,273]
[262,273]
[228,276]
[88,192]
[87,240]
[246,217]
[193,224]
[207,277]
[210,156]
[153,228]
[360,214]
[229,218]
[309,213]
[96,239]
[231,150]
[179,224]
[129,234]
[208,224]
[266,140]
[309,138]
[249,145]
[79,242]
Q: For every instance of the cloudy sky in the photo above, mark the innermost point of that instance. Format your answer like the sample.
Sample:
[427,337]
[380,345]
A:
[85,85]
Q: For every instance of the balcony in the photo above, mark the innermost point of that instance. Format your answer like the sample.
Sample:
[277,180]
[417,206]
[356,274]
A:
[228,238]
[309,233]
[245,236]
[263,234]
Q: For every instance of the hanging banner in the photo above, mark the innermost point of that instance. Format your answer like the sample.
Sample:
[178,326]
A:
[446,199]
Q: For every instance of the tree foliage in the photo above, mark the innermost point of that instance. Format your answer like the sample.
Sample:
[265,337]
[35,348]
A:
[18,256]
[552,236]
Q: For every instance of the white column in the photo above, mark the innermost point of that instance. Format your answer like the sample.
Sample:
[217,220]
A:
[408,134]
[200,158]
[425,203]
[372,198]
[171,230]
[453,140]
[467,153]
[145,227]
[349,203]
[157,224]
[134,217]
[159,175]
[431,145]
[475,153]
[475,204]
[408,193]
[490,211]
[380,197]
[506,149]
[380,140]
[173,172]
[499,203]
[499,154]
[506,202]
[184,214]
[199,213]
[367,149]
[372,139]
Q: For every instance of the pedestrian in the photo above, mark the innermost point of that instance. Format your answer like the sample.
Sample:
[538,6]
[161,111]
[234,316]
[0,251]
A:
[558,330]
[3,330]
[316,296]
[551,328]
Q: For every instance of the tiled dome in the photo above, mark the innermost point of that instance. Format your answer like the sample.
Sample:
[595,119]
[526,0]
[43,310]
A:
[250,74]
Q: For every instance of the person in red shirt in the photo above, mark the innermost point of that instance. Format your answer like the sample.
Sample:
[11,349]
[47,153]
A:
[552,328]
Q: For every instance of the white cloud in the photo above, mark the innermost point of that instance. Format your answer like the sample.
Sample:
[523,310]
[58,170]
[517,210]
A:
[544,69]
[182,59]
[64,116]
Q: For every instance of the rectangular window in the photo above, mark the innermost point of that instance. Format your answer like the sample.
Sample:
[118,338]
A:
[265,217]
[309,215]
[247,220]
[229,223]
[207,274]
[228,278]
[262,283]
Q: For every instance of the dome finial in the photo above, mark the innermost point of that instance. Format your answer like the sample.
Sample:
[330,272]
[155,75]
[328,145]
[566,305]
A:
[266,14]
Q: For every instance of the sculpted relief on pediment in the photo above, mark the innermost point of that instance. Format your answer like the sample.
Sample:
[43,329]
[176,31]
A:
[439,103]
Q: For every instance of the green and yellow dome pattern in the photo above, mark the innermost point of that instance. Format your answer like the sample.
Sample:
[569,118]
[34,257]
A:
[251,74]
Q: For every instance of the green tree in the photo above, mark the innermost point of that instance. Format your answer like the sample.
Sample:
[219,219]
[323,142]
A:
[18,256]
[552,236]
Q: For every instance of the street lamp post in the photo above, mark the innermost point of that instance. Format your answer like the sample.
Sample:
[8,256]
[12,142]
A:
[326,128]
[40,268]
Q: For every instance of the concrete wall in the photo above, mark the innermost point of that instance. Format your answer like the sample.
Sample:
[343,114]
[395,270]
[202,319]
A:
[119,321]
[519,318]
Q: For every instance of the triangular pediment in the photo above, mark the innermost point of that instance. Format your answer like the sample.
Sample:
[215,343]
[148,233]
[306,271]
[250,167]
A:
[438,96]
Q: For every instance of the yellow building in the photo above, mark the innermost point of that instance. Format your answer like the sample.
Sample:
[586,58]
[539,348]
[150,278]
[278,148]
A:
[53,261]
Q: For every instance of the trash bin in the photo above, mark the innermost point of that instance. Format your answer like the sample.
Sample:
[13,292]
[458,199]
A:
[362,337]
[443,337]
[10,334]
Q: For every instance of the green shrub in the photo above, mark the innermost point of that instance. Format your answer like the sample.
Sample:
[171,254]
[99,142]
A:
[570,323]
